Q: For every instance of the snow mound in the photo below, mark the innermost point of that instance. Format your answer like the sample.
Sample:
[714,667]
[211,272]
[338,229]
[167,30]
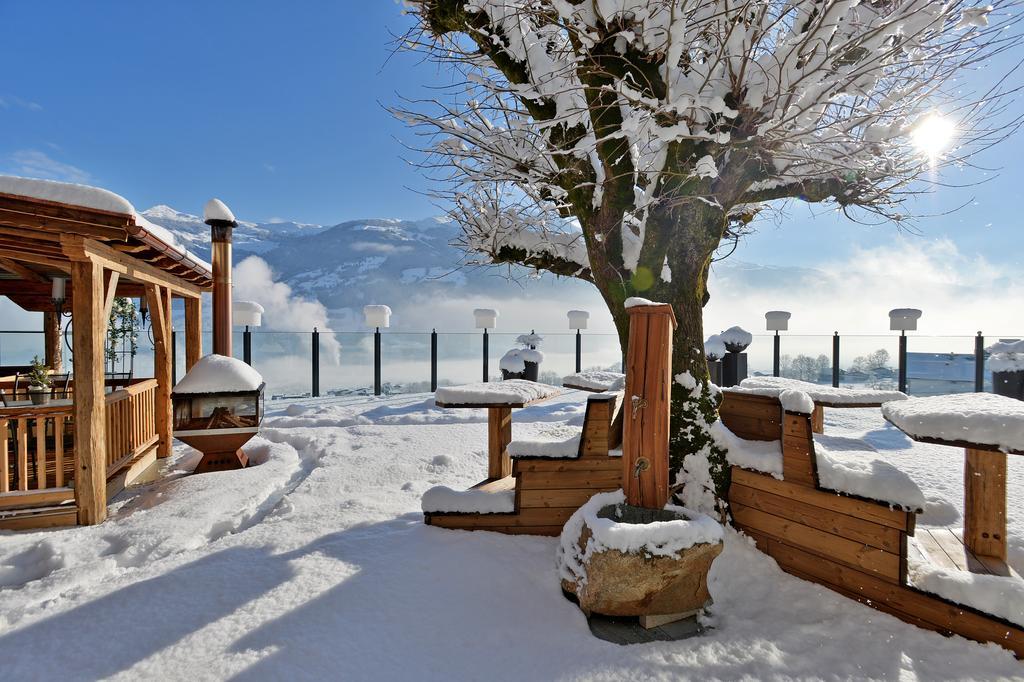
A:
[982,418]
[660,538]
[757,455]
[515,360]
[568,448]
[792,400]
[512,392]
[1001,596]
[848,465]
[596,380]
[442,499]
[215,209]
[636,302]
[826,394]
[219,373]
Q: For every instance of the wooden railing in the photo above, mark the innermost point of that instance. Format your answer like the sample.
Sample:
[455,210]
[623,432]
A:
[131,423]
[36,448]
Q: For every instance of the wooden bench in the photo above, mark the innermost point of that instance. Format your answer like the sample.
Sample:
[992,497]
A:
[852,545]
[548,490]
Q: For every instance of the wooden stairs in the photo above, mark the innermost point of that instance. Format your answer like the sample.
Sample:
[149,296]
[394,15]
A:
[548,490]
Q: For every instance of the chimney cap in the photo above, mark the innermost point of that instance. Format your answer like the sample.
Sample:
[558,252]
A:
[216,211]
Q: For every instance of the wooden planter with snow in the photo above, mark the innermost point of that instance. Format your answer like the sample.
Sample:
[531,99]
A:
[620,560]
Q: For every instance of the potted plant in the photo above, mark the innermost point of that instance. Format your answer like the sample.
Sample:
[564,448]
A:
[523,363]
[39,382]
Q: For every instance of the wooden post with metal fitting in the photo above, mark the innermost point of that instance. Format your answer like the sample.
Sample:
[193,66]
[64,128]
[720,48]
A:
[645,475]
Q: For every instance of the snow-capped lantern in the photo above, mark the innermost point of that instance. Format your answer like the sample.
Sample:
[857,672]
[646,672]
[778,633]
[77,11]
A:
[777,320]
[904,319]
[248,314]
[377,316]
[486,318]
[578,319]
[734,362]
[523,363]
[217,408]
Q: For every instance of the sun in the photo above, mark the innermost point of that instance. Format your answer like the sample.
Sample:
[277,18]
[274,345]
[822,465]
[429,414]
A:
[933,135]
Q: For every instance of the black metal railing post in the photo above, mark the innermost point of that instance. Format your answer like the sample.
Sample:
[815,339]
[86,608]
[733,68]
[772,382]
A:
[376,361]
[835,360]
[776,357]
[979,363]
[247,346]
[316,362]
[174,356]
[433,360]
[486,372]
[903,361]
[579,351]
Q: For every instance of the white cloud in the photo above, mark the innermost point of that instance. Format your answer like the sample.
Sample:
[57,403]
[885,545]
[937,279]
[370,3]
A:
[37,164]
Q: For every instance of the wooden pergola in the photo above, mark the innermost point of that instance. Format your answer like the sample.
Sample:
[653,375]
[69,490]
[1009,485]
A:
[102,254]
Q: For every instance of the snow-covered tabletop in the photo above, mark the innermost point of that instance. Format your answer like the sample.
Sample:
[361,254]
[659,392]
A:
[595,380]
[512,393]
[826,396]
[984,421]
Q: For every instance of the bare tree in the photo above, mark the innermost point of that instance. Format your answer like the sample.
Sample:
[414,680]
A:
[623,141]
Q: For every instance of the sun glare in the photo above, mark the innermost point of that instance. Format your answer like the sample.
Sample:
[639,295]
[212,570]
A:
[933,135]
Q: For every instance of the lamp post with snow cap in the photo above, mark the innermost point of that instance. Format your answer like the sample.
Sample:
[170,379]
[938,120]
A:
[249,314]
[578,321]
[776,321]
[377,316]
[903,320]
[486,318]
[221,221]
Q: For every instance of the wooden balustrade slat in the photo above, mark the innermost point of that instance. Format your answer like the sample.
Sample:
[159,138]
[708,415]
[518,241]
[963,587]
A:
[22,454]
[5,483]
[58,450]
[41,453]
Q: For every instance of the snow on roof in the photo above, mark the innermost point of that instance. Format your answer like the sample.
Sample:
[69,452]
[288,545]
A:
[219,373]
[215,209]
[66,193]
[512,392]
[819,393]
[980,418]
[96,198]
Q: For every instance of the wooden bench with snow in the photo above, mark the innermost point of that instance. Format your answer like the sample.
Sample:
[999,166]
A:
[831,512]
[549,479]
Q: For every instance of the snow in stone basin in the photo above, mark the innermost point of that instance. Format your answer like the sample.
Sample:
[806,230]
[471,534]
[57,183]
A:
[982,418]
[847,465]
[660,538]
[791,400]
[846,396]
[596,379]
[216,373]
[441,498]
[318,548]
[504,392]
[757,455]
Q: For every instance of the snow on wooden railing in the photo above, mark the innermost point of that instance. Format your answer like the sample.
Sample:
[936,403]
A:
[131,423]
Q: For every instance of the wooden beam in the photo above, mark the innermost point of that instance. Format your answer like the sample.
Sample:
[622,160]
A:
[109,294]
[193,331]
[23,271]
[57,263]
[159,300]
[89,403]
[60,226]
[54,209]
[79,248]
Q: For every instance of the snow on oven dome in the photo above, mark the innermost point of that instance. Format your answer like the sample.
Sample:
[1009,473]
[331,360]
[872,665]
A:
[219,374]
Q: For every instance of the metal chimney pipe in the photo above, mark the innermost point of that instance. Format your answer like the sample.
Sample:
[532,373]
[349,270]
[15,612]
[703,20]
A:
[221,222]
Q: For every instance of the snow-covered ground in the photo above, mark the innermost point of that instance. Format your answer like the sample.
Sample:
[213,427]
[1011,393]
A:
[315,564]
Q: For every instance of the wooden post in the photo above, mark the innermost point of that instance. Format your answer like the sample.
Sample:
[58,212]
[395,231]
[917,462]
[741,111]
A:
[193,331]
[51,340]
[499,435]
[647,403]
[985,503]
[159,299]
[90,418]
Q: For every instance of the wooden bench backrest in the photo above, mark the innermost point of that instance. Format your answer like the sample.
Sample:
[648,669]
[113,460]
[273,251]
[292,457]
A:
[760,417]
[602,425]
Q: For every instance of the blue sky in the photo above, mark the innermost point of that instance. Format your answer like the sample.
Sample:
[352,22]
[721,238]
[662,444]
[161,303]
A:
[278,109]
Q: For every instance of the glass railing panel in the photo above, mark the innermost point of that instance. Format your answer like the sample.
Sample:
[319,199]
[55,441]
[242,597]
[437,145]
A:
[460,358]
[17,348]
[938,365]
[405,362]
[346,363]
